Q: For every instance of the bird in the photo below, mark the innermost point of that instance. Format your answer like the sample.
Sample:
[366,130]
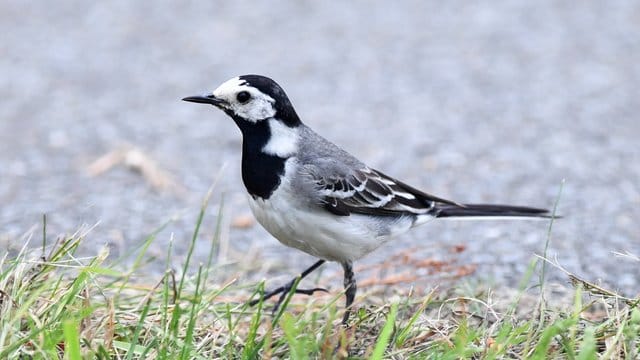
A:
[313,196]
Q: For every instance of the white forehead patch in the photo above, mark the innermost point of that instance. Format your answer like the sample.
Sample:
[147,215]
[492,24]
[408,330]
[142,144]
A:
[230,86]
[260,107]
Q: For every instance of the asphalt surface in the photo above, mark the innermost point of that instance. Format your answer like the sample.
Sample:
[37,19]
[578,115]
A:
[477,102]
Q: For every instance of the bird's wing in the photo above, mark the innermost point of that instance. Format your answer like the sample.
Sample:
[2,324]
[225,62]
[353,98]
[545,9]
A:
[368,191]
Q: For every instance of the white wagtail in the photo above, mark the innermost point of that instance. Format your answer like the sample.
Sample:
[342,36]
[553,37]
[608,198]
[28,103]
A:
[313,196]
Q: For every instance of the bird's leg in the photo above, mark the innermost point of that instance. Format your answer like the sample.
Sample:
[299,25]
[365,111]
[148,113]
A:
[284,290]
[349,288]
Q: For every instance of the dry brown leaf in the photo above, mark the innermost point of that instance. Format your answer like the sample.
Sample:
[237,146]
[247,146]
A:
[134,159]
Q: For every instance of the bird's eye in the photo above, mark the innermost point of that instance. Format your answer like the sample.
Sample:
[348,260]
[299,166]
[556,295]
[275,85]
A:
[243,96]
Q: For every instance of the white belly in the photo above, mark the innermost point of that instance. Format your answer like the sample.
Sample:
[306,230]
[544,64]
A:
[320,233]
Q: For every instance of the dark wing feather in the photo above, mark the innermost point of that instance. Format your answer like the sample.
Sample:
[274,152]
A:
[370,192]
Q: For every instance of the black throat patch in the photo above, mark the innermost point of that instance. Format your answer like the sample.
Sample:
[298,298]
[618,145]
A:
[260,172]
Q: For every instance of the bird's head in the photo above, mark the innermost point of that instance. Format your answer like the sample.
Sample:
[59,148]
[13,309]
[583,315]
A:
[251,98]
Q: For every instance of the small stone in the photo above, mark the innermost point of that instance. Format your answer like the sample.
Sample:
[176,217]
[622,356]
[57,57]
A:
[243,222]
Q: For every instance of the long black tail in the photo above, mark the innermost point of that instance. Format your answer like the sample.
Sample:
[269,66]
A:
[489,210]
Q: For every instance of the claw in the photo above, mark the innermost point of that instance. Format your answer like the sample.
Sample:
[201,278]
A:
[311,291]
[283,291]
[308,292]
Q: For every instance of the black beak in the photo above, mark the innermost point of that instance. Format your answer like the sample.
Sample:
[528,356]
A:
[206,99]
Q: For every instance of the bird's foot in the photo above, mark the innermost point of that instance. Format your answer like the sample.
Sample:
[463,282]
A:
[284,291]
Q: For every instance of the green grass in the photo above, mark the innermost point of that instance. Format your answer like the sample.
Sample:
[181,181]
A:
[56,305]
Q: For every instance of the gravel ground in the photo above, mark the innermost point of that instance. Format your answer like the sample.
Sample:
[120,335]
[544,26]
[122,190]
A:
[475,101]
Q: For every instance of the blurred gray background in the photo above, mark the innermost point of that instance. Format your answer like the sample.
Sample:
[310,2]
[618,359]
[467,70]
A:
[493,101]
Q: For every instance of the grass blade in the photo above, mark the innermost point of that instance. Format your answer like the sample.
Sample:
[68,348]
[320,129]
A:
[71,340]
[385,334]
